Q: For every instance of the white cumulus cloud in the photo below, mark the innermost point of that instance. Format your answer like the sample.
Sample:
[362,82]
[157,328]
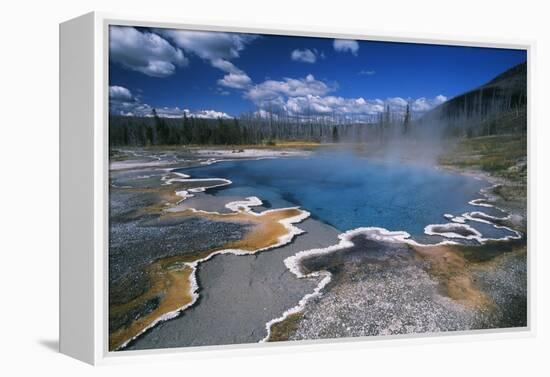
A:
[309,96]
[423,104]
[144,52]
[304,56]
[207,114]
[209,45]
[326,105]
[273,94]
[217,48]
[288,87]
[239,80]
[120,93]
[346,45]
[122,102]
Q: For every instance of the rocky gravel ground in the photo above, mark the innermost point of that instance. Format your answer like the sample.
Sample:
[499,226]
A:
[239,294]
[382,289]
[505,281]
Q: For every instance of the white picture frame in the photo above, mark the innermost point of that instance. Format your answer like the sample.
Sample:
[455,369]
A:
[84,188]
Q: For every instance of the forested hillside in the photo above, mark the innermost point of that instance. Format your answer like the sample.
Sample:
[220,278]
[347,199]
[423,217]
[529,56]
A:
[497,107]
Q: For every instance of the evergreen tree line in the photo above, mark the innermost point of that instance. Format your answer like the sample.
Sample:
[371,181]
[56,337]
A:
[155,130]
[252,129]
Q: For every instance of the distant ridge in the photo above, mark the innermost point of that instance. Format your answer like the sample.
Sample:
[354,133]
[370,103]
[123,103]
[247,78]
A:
[497,107]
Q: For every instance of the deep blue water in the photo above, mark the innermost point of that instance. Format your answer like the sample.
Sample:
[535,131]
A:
[348,192]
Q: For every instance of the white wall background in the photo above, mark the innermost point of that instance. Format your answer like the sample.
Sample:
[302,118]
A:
[29,202]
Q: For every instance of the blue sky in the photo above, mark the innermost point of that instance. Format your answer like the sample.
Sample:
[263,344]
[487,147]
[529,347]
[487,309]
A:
[214,74]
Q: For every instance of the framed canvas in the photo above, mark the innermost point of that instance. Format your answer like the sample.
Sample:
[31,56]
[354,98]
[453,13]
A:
[234,187]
